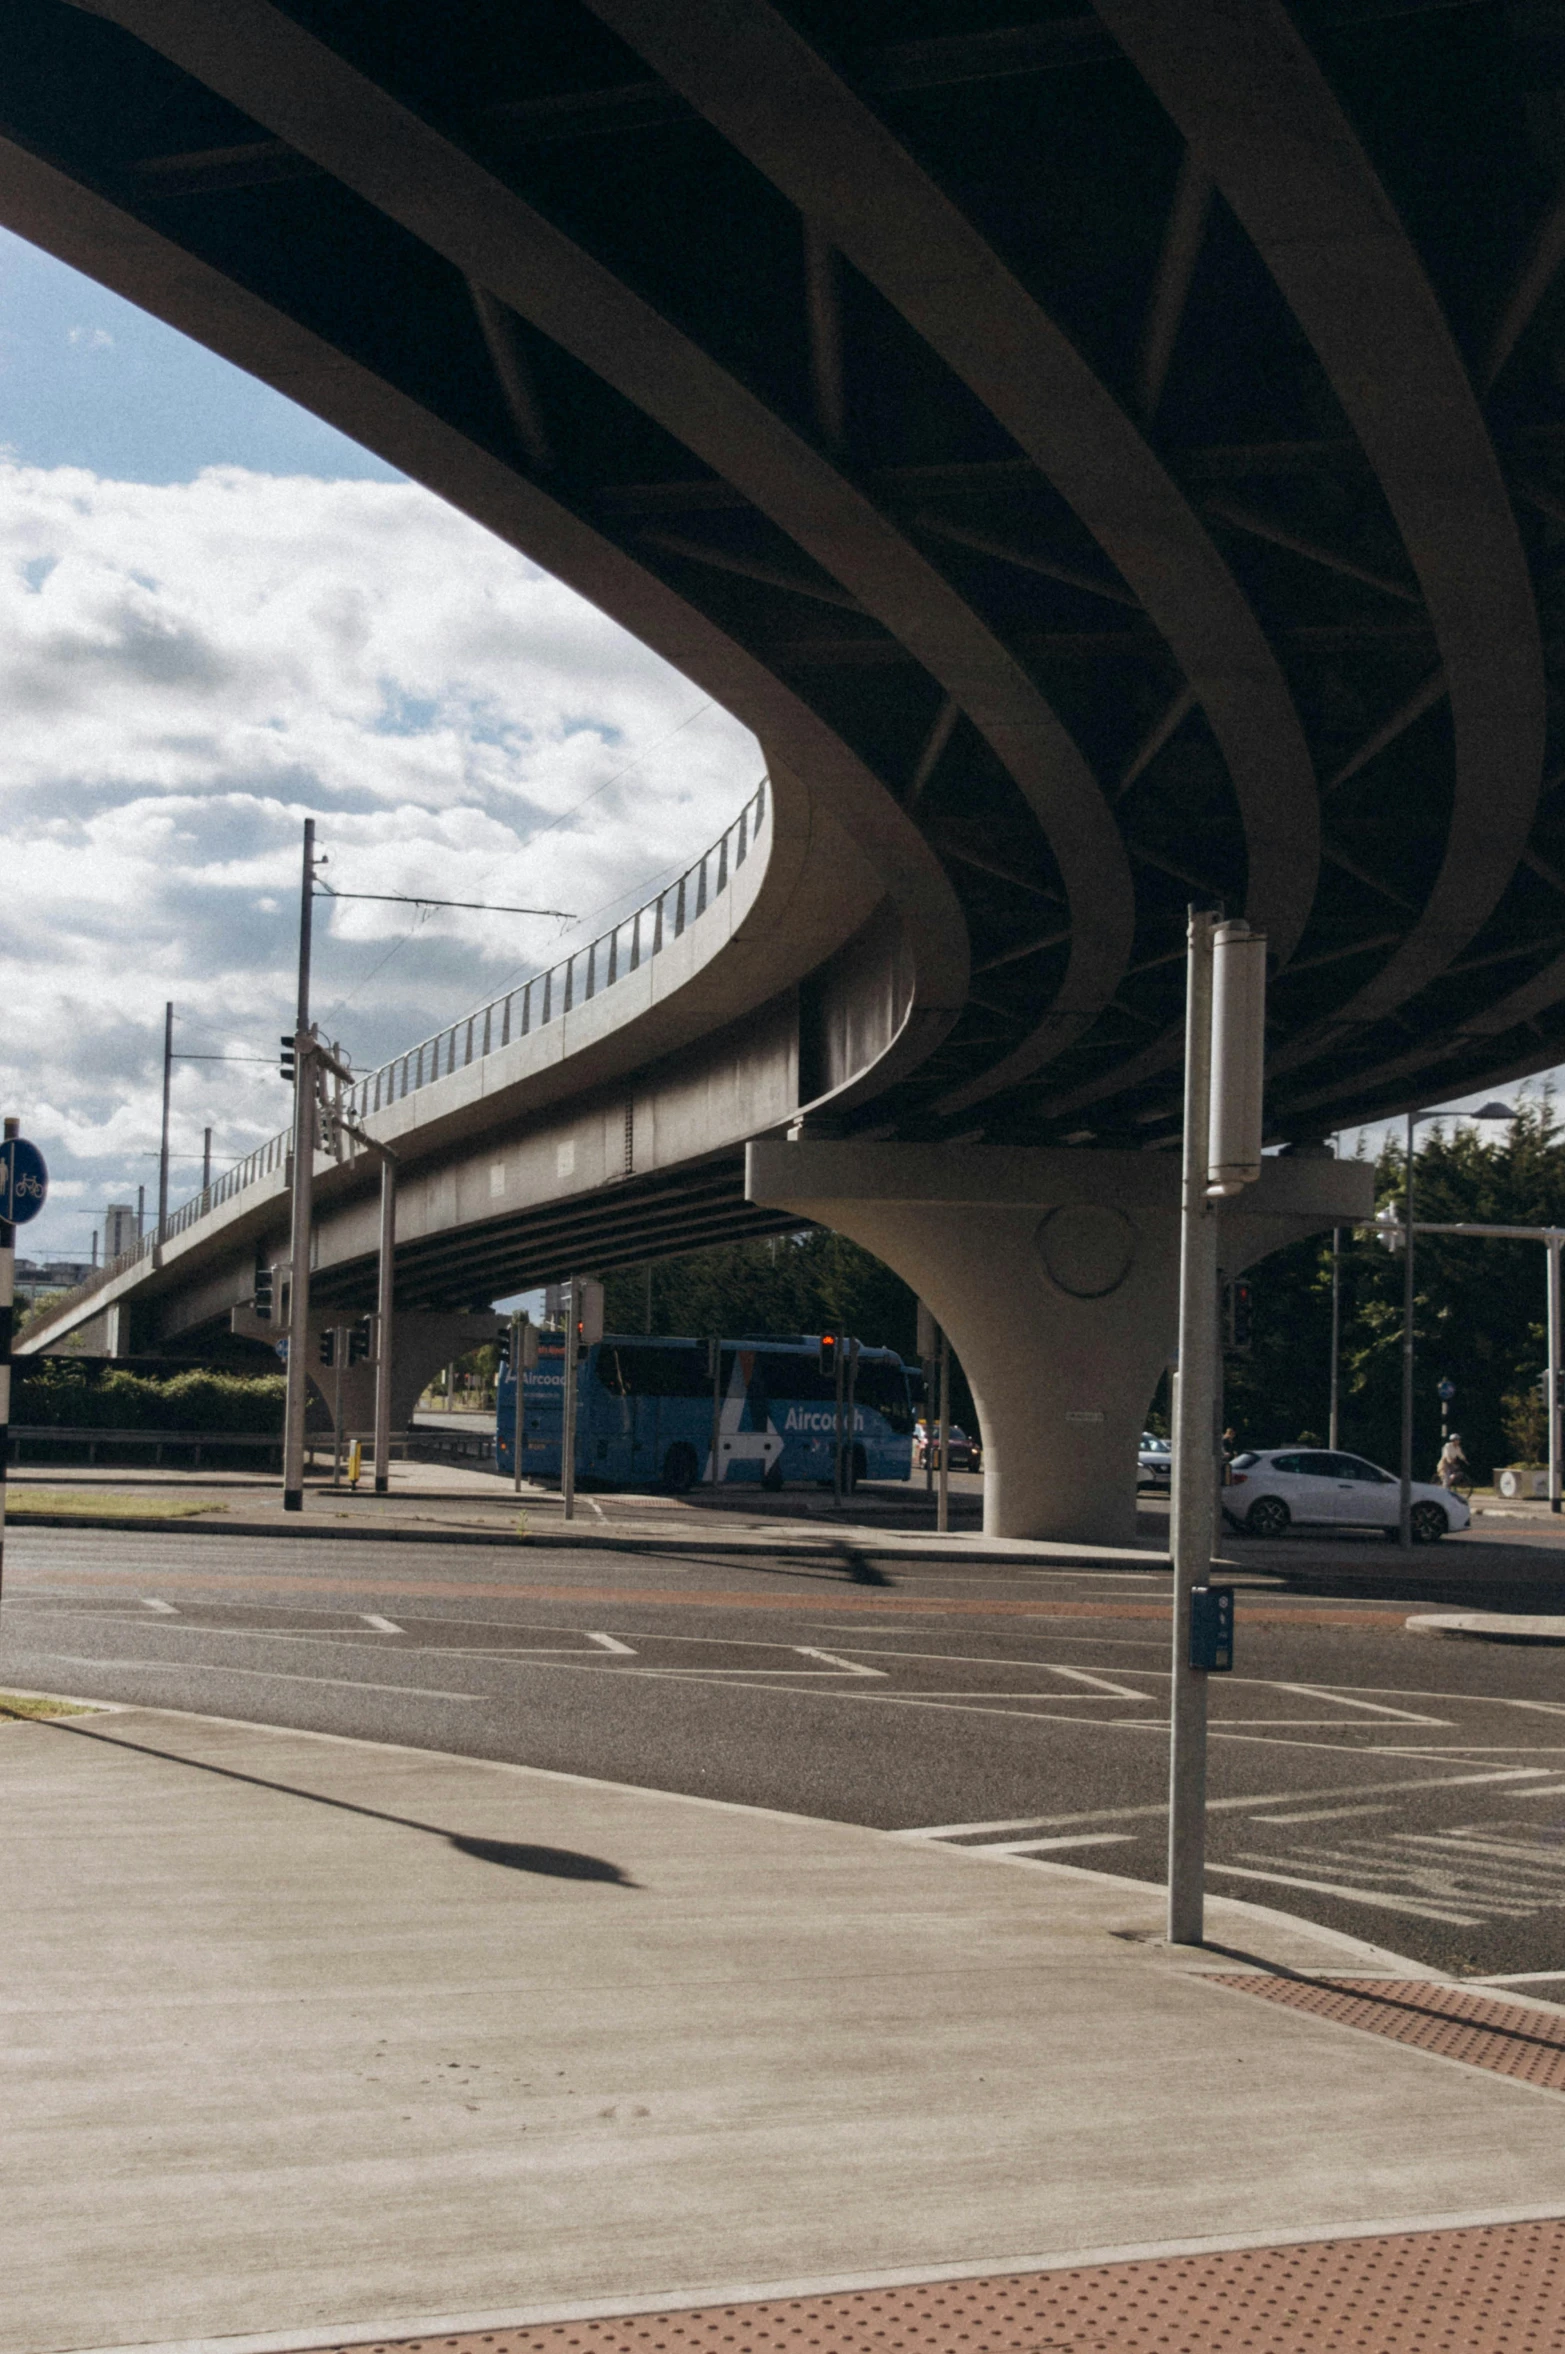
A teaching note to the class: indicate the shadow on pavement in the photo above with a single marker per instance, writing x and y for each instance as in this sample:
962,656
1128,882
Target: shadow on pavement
555,1863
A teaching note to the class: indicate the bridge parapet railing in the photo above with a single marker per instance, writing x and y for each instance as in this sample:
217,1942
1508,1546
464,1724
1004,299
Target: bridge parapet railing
586,973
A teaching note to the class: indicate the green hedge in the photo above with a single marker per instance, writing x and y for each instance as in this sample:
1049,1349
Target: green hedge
58,1392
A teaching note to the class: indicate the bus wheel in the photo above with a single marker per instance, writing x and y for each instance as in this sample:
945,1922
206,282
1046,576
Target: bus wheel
772,1477
680,1468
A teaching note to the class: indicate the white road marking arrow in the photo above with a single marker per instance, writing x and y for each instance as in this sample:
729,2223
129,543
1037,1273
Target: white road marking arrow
382,1626
612,1643
166,1608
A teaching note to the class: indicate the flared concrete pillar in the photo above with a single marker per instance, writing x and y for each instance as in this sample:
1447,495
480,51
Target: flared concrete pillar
1056,1274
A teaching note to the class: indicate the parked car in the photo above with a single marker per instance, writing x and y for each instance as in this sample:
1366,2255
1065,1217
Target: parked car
966,1454
1268,1492
1154,1462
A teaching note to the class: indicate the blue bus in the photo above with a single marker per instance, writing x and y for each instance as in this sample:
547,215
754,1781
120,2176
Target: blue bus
644,1413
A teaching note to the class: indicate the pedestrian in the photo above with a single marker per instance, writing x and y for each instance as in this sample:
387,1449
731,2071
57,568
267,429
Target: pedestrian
1230,1443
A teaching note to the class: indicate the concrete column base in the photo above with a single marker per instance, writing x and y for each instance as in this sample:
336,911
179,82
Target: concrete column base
1056,1274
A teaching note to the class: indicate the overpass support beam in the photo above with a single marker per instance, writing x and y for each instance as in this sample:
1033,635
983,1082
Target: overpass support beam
1056,1274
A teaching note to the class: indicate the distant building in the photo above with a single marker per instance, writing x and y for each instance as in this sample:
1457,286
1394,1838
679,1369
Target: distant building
39,1275
119,1230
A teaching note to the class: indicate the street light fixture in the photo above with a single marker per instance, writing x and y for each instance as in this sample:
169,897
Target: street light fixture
1487,1111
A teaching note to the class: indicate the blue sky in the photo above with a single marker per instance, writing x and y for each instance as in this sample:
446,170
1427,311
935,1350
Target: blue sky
218,616
88,380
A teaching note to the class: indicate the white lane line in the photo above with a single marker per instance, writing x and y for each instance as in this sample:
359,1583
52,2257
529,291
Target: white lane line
850,1667
1546,1790
1042,1846
1119,1814
266,1674
1324,1814
165,1609
1405,1716
382,1626
1388,1904
612,1643
1519,1978
1085,1675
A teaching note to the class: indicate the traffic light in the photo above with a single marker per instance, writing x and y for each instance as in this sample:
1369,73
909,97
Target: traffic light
1542,1386
1238,1318
288,1061
827,1353
359,1343
1388,1228
589,1311
329,1345
265,1295
502,1342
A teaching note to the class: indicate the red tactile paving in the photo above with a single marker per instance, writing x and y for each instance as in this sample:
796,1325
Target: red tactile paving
1508,2038
1495,2289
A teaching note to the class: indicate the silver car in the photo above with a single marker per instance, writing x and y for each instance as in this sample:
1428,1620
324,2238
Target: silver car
1268,1493
1154,1463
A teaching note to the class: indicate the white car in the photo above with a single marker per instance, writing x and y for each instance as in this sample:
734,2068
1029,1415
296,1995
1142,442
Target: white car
1268,1493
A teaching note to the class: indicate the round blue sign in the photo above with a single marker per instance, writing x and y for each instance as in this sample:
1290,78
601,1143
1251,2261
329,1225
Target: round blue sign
24,1181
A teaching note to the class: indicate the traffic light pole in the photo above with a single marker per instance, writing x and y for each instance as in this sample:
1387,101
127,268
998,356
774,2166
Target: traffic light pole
1194,1502
1405,1496
303,1205
168,1074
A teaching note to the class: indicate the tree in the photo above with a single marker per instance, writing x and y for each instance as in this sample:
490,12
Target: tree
1479,1313
811,1281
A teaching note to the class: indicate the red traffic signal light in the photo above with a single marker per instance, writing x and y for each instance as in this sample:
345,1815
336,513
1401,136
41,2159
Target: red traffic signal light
828,1352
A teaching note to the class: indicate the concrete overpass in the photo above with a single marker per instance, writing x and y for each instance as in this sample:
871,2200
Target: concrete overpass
1107,457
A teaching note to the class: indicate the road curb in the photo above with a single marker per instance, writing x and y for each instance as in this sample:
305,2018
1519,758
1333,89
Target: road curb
871,1551
1488,1626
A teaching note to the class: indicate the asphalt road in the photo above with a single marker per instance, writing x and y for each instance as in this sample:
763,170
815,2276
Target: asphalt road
1409,1790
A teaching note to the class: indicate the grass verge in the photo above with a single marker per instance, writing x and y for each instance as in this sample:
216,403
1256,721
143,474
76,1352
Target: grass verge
24,1704
27,1503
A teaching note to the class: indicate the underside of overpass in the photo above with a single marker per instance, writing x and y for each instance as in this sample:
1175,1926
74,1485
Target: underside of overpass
1111,458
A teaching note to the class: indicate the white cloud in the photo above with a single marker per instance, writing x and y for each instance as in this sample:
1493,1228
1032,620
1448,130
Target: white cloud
188,671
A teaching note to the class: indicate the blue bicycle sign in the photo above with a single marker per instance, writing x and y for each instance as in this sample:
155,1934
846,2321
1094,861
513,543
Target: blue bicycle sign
24,1181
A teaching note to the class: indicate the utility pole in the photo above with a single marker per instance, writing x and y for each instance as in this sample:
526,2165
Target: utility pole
303,1202
206,1160
168,1073
1225,1038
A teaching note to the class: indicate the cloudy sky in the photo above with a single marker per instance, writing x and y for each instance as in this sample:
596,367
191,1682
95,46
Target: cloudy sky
220,617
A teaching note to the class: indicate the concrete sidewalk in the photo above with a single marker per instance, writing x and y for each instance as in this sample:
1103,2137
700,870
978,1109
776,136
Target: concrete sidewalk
316,2040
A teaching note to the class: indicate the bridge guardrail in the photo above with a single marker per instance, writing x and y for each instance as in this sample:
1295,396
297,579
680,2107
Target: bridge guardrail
547,997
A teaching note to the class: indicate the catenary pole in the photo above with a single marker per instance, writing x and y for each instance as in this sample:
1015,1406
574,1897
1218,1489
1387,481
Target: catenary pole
1194,1471
303,1202
206,1160
168,1074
